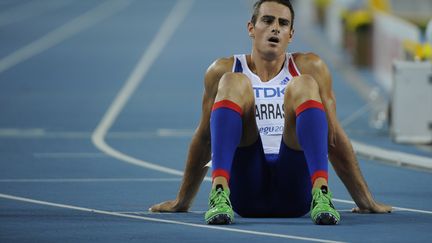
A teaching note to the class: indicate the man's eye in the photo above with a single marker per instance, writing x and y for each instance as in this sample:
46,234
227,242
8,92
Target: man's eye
284,23
268,20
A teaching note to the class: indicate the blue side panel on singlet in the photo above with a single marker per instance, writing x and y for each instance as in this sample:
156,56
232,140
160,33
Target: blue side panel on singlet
238,66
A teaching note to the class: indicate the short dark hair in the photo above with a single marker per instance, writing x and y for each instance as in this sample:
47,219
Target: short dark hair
257,5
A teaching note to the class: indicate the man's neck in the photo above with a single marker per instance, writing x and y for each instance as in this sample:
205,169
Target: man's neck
264,68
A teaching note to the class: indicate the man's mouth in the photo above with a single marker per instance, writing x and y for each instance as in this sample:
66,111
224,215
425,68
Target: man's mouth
273,39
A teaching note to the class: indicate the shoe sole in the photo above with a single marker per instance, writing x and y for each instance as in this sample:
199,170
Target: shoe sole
220,219
326,219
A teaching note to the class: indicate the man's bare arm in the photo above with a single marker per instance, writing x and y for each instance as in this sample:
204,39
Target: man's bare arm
347,168
195,171
341,153
200,148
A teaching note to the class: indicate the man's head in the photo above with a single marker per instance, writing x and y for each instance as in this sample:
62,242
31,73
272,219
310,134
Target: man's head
258,4
271,27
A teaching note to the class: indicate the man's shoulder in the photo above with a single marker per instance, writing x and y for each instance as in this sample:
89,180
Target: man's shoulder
308,62
216,70
221,65
306,58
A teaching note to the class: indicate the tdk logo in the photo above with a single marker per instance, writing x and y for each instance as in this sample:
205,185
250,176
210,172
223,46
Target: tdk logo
268,92
285,81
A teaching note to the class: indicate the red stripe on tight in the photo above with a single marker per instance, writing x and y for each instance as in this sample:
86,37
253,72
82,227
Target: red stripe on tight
292,69
228,104
307,105
221,172
318,174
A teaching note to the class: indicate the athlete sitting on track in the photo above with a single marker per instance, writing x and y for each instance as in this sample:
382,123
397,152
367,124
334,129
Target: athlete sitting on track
269,123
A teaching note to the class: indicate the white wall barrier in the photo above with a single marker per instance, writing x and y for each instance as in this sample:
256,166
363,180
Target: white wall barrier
334,27
411,110
388,37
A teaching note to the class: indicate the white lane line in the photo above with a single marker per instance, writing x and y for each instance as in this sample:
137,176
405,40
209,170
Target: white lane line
396,157
42,133
75,155
151,213
166,132
78,24
376,153
412,210
61,180
394,208
91,180
29,10
174,19
15,132
229,229
356,114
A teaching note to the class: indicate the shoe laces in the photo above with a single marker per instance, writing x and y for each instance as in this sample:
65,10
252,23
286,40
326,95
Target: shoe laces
323,196
219,197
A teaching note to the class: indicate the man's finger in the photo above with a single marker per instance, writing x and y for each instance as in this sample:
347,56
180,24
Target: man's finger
152,209
155,208
358,210
382,210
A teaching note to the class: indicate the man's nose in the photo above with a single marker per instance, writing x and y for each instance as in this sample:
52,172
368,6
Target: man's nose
275,28
275,31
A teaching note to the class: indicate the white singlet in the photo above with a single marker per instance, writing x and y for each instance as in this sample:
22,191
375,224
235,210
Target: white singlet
269,112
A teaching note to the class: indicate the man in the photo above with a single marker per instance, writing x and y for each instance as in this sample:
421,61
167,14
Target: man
269,123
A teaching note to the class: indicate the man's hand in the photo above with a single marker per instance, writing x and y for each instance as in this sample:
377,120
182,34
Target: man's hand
168,206
375,208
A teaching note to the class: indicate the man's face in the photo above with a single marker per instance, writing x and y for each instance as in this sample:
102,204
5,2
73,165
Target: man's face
272,31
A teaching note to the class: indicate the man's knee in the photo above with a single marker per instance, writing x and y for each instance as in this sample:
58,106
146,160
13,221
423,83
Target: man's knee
234,86
234,82
302,87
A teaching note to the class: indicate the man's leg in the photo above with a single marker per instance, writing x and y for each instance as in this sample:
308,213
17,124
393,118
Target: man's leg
306,128
231,124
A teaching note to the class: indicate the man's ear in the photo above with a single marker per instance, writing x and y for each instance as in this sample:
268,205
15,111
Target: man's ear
291,35
251,29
